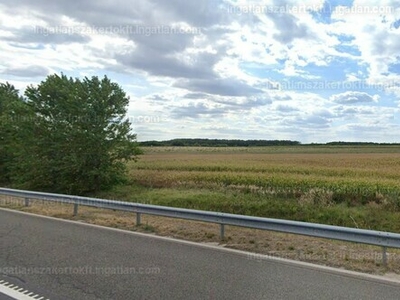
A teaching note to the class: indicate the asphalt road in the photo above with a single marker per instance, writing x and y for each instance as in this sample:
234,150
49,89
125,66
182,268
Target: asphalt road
65,260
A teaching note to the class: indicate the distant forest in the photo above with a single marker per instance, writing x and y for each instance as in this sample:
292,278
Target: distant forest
246,143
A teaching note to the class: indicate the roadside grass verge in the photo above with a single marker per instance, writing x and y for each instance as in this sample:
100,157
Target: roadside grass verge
311,208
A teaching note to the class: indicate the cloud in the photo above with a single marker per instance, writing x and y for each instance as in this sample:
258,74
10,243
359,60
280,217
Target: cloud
282,97
289,28
196,96
161,64
219,86
365,127
28,71
371,27
196,110
306,122
285,108
351,111
45,35
353,97
244,102
369,132
157,97
193,12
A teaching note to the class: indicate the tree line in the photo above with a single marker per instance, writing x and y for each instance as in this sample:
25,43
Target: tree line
65,135
220,143
198,142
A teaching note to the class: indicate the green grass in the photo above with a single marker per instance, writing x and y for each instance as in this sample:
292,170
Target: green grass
361,216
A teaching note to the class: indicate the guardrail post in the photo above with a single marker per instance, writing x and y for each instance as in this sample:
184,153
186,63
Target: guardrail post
138,215
222,231
75,209
26,201
384,256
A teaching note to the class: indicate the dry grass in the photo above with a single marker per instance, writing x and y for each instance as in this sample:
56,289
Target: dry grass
339,254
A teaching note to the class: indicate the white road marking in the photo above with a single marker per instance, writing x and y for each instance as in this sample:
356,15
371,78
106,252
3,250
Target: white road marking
16,292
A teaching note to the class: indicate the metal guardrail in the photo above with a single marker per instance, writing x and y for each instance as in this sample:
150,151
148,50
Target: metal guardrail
371,237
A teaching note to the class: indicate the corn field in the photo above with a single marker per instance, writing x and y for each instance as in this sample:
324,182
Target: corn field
363,177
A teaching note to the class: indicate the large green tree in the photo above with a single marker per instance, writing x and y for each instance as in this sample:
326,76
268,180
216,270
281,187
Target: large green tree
81,137
13,113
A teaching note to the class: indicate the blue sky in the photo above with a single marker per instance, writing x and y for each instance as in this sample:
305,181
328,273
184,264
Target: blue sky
318,71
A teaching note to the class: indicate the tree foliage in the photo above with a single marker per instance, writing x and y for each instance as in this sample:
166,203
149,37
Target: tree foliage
75,137
13,113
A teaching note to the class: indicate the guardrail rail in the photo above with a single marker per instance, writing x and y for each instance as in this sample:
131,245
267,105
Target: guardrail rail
370,237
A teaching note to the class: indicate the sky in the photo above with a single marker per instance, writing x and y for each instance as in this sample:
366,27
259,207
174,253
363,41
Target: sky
314,72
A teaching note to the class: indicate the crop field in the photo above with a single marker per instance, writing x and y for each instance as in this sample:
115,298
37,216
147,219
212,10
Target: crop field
339,185
363,175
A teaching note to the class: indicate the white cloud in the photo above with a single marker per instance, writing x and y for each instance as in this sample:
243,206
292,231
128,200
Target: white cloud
370,26
353,97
